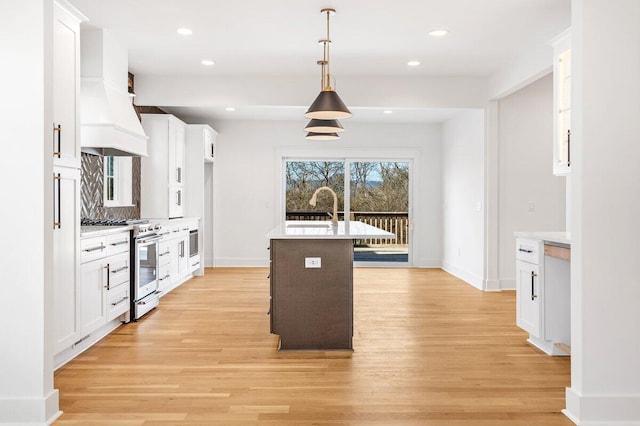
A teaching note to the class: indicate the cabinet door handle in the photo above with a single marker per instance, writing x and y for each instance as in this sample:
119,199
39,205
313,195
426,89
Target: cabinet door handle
57,130
163,254
533,293
212,150
179,173
119,301
115,271
525,250
57,202
179,202
568,147
107,268
119,243
89,250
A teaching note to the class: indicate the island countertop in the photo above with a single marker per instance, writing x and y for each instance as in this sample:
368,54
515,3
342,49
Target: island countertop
553,237
314,229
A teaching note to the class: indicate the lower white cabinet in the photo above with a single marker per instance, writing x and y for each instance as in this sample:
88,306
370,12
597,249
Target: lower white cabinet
66,258
104,280
543,294
174,263
528,306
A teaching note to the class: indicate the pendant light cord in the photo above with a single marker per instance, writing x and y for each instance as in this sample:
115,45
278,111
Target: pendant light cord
327,83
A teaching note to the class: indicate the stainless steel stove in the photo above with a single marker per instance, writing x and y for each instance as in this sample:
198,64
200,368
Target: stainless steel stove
145,235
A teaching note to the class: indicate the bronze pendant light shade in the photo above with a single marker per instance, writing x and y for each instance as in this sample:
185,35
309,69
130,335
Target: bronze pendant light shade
322,136
324,126
328,106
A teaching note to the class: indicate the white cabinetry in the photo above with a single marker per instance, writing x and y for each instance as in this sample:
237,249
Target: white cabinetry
66,257
200,154
174,256
66,175
66,85
163,171
542,294
562,104
105,280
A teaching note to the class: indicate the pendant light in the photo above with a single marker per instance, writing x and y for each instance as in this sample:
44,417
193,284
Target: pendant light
322,136
328,105
317,125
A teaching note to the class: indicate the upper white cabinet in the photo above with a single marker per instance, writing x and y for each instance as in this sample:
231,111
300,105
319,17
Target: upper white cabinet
163,171
66,85
562,104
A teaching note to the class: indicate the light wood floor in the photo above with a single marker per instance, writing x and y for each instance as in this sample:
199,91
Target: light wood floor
429,350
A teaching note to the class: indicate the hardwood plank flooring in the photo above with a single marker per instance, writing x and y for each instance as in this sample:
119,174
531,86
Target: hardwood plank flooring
428,350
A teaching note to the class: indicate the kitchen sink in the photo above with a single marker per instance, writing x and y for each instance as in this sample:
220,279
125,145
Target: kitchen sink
309,225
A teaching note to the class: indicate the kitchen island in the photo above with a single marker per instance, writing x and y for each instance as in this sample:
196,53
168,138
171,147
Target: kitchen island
312,282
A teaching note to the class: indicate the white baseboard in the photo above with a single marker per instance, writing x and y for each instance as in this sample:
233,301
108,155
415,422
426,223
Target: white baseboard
428,263
602,410
71,352
38,411
492,285
509,284
465,276
241,262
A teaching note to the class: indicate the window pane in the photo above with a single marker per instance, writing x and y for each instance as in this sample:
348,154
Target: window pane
303,178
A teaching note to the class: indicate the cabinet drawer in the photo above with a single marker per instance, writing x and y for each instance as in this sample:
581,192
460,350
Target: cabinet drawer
194,263
92,249
529,250
118,243
119,270
163,253
117,301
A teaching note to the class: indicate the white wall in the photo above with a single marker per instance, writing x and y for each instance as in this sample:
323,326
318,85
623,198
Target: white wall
463,196
605,285
26,357
247,169
525,176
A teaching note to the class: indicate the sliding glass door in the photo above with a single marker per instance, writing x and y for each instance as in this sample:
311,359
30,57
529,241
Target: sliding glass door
373,192
379,196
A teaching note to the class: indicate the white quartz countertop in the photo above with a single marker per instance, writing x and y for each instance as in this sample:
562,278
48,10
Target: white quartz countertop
314,229
98,231
552,237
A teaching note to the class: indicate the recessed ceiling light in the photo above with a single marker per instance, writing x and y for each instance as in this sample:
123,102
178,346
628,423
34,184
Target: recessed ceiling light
387,111
413,63
438,33
229,109
208,62
184,31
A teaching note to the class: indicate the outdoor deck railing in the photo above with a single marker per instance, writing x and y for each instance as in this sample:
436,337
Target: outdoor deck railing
396,222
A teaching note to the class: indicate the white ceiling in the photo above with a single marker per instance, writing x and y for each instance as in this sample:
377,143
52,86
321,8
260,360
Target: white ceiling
369,38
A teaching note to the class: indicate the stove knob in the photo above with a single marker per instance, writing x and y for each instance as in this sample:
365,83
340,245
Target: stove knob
157,227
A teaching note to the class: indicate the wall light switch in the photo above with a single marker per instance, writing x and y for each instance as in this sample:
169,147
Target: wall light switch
312,262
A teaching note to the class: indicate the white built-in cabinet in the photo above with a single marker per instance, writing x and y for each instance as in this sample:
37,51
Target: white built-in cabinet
66,258
105,280
543,294
562,104
173,254
200,155
163,171
65,138
65,148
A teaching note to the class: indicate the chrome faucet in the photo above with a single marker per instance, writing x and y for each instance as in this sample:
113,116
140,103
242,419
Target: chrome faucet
312,201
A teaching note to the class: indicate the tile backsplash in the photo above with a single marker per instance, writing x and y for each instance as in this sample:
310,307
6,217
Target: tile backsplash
92,186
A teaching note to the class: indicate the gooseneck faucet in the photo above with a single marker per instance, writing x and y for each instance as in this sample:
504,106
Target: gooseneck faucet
312,201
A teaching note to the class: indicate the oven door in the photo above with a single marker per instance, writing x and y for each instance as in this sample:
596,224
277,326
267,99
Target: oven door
146,272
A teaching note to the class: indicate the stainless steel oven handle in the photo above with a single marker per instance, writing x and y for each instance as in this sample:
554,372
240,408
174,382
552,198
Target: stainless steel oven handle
149,240
148,299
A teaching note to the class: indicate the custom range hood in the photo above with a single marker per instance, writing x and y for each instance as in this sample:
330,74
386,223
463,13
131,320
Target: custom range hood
109,124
